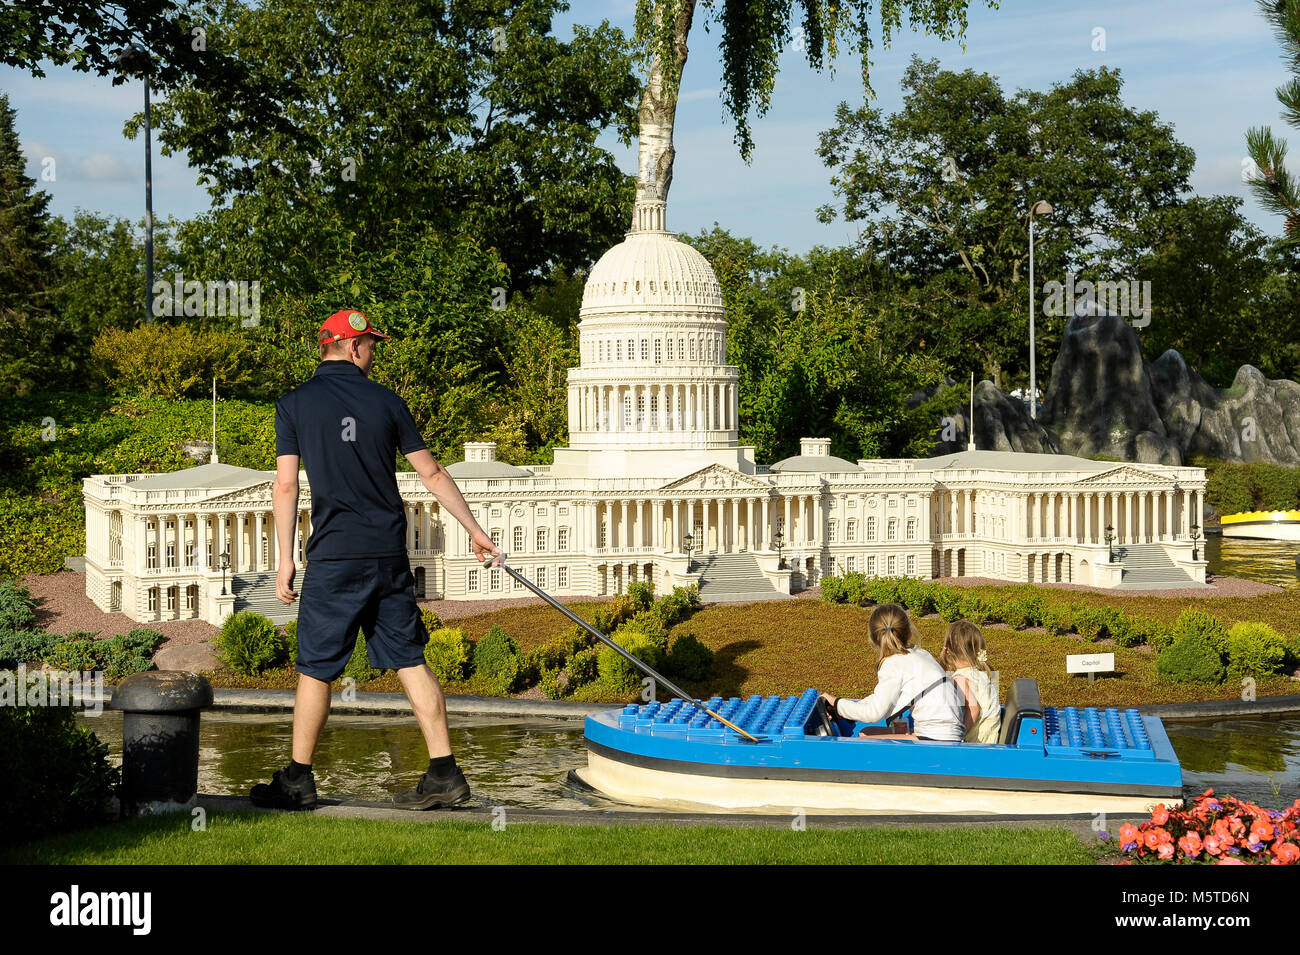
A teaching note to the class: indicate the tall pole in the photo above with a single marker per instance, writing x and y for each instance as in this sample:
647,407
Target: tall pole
1033,381
148,206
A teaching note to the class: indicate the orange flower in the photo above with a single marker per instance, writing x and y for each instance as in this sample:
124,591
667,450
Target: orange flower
1261,830
1128,833
1152,838
1160,815
1229,861
1166,850
1213,845
1287,853
1190,844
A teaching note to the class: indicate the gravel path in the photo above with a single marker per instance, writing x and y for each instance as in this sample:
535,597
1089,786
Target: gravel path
1219,587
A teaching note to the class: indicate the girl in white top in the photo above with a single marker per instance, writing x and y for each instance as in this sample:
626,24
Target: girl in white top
907,676
965,652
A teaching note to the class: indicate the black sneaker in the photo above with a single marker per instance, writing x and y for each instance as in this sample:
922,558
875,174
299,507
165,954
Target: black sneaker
285,793
434,791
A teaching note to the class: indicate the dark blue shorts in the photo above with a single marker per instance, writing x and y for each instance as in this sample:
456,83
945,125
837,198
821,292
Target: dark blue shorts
373,594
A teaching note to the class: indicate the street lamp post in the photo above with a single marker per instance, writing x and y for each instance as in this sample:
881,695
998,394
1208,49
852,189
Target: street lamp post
1110,538
1196,533
779,539
688,542
1040,208
225,565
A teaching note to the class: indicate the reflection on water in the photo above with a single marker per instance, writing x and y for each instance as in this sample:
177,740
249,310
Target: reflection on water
1270,562
1244,757
523,763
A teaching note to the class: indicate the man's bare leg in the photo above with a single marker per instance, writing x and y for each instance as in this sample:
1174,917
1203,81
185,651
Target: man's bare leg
311,707
425,693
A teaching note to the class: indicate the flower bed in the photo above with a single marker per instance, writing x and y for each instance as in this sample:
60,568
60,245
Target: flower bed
1215,831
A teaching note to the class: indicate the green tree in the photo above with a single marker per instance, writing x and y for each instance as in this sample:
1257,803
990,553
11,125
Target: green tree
753,37
1275,187
24,263
1207,267
469,116
946,185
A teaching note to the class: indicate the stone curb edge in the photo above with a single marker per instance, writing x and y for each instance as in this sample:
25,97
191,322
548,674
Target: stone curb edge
396,704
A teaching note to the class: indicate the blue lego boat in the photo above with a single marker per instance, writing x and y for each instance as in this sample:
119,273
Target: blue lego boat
1049,761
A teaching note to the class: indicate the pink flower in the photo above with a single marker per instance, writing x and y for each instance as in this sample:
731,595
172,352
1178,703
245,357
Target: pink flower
1213,845
1230,862
1166,850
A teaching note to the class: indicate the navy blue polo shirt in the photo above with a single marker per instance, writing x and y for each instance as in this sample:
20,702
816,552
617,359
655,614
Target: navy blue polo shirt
347,430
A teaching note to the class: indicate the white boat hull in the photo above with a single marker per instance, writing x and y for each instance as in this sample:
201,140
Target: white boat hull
643,786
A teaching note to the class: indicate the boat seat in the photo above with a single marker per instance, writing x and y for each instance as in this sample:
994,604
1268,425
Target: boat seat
1023,703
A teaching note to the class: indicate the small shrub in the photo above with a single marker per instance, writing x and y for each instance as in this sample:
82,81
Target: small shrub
883,590
1138,631
358,667
583,668
689,658
1090,623
140,640
78,651
642,595
1255,649
431,620
552,685
448,653
833,589
620,675
651,626
948,603
856,590
498,661
1191,658
289,640
17,609
1014,612
917,595
58,773
24,646
679,605
1058,618
249,643
1117,624
978,609
1192,621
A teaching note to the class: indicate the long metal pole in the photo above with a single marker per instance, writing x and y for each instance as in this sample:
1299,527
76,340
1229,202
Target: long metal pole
148,206
500,560
1033,381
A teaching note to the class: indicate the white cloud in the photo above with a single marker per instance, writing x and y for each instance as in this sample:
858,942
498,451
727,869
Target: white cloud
105,167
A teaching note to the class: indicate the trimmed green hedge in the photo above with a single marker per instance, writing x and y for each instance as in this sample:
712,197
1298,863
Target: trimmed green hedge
1247,649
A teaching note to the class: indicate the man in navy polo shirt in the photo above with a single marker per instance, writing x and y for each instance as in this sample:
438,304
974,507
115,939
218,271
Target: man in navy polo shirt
347,431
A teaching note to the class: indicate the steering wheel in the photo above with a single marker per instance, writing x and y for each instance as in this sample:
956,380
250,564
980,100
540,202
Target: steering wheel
822,724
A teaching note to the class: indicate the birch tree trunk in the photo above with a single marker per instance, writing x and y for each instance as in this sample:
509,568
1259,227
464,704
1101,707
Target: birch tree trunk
657,113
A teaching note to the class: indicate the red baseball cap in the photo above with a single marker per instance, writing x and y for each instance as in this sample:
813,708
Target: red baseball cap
348,323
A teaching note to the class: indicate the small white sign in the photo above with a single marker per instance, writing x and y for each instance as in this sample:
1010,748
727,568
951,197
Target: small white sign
1090,663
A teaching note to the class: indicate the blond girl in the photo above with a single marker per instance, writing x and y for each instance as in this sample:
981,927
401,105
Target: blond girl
966,655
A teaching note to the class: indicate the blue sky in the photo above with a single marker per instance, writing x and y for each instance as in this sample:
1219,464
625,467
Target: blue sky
1208,67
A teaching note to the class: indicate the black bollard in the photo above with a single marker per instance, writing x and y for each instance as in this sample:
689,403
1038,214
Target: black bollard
160,738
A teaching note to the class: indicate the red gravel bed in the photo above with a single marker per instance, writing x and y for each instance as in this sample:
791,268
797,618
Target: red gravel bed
1219,587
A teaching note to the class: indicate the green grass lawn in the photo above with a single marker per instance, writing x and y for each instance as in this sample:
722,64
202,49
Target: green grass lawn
304,839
